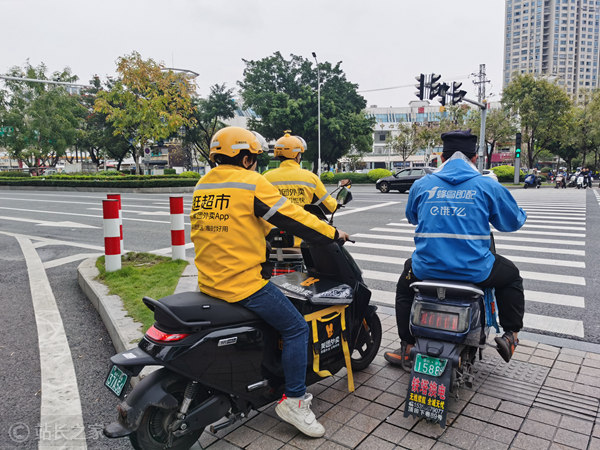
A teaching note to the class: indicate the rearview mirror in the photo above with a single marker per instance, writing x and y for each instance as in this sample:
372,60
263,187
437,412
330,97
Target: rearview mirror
346,182
344,196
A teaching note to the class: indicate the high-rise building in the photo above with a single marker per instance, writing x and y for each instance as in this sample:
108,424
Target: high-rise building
553,38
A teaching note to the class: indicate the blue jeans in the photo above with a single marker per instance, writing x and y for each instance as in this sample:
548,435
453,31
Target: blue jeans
276,309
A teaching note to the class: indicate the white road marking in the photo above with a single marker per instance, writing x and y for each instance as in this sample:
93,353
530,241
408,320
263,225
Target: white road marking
69,259
554,299
554,324
48,223
377,258
43,241
167,250
60,402
351,211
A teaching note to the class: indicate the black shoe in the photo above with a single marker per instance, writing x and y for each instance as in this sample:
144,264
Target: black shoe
506,345
400,357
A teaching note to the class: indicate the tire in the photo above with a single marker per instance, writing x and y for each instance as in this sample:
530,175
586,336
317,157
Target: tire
152,433
367,343
525,186
384,187
402,191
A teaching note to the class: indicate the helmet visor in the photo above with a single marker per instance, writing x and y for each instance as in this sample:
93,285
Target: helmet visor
264,147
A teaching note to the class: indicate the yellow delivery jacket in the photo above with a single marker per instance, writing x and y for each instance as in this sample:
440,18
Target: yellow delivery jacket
229,210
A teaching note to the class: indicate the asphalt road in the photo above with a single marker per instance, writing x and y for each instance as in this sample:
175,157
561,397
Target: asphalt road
44,235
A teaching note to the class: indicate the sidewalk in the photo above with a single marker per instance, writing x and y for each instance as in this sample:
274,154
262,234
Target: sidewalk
546,398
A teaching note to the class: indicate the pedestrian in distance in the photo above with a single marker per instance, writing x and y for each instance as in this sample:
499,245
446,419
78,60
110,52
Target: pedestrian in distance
452,209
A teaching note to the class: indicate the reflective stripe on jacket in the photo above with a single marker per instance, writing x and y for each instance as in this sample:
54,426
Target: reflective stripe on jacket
229,210
452,209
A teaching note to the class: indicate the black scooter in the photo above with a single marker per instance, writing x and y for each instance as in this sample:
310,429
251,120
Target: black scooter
219,360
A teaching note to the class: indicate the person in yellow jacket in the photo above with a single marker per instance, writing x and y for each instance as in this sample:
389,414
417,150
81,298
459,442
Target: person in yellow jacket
231,207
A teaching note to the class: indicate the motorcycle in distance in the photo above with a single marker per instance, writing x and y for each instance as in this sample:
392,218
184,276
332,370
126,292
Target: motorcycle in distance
560,182
448,321
532,180
218,360
581,182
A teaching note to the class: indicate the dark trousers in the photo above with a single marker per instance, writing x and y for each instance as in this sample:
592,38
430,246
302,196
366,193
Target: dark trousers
504,277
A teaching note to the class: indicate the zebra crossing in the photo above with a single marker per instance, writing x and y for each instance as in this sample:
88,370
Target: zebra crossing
549,251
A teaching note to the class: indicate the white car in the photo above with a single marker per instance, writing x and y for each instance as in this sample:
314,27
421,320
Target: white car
489,173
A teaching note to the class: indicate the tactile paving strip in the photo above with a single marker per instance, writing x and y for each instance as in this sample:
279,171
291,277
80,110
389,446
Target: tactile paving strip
510,389
567,403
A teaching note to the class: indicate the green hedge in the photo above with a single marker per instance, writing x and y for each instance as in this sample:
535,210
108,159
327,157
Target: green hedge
376,174
14,174
120,183
507,173
330,177
190,174
170,171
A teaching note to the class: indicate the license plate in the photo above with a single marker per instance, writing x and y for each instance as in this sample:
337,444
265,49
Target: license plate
428,365
116,380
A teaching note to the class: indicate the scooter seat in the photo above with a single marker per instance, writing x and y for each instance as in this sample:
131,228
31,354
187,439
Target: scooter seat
194,307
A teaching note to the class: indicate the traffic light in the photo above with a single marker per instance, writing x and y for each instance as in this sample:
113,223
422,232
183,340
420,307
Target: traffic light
442,92
421,86
457,94
518,145
434,86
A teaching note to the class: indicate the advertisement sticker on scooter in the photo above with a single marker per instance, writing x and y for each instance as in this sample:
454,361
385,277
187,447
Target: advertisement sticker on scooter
426,396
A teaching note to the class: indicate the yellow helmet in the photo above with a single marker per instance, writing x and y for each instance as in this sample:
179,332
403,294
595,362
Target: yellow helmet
289,146
229,141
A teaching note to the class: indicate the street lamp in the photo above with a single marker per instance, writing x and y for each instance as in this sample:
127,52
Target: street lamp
318,114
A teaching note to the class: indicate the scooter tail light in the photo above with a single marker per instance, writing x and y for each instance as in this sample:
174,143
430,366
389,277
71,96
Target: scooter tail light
156,335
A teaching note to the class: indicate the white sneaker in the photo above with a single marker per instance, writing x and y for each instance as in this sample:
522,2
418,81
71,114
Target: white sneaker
297,412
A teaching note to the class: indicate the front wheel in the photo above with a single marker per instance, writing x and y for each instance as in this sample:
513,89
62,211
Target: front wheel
384,187
367,342
525,186
153,433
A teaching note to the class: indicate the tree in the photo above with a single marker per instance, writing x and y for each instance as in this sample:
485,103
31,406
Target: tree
542,111
146,104
499,127
43,118
208,115
283,94
404,142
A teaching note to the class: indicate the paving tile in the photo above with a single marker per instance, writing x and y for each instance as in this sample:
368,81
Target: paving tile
544,416
375,443
571,439
330,445
364,423
592,355
562,374
284,432
398,388
379,382
571,351
355,403
478,412
584,389
566,366
442,446
576,425
513,408
506,420
459,438
588,362
527,442
332,395
399,420
304,442
350,437
456,405
389,432
590,371
469,424
527,343
430,430
541,361
563,385
417,442
486,400
538,429
524,357
522,349
265,443
596,432
497,433
594,444
484,443
378,411
390,400
588,380
262,423
340,414
367,392
243,436
331,426
545,354
320,406
549,348
556,446
223,445
573,359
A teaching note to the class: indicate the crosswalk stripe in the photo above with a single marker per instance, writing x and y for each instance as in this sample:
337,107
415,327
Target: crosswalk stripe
554,299
405,228
385,297
546,261
558,222
557,251
554,278
373,245
381,276
497,237
377,258
554,227
554,324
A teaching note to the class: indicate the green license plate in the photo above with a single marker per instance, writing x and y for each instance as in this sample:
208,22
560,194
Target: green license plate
116,380
428,365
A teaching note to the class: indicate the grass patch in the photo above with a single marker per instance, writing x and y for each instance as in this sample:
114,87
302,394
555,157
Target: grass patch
142,275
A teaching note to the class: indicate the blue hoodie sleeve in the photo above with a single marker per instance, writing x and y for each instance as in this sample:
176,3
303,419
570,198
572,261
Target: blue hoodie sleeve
505,214
411,211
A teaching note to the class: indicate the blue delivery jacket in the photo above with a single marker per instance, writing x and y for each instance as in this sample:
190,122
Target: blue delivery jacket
452,209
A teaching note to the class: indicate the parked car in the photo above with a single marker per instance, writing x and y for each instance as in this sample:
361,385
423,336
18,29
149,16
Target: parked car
489,173
402,180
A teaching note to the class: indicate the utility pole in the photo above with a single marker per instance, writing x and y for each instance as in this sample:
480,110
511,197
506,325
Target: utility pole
480,83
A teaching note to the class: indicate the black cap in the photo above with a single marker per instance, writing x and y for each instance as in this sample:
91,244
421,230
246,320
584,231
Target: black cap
459,141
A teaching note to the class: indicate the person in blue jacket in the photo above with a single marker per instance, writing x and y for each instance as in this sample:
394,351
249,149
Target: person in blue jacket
452,209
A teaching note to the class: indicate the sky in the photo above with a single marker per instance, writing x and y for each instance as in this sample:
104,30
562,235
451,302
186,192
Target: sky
382,45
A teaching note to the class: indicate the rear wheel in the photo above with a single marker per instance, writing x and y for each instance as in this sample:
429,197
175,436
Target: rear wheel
367,342
384,187
153,433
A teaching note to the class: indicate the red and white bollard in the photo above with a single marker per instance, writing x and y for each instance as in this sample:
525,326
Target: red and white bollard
112,236
177,228
118,197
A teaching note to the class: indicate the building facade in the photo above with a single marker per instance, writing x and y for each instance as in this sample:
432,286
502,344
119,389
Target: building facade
553,38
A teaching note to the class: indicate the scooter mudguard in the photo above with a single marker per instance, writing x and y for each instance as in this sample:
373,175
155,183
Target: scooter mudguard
148,392
133,360
428,392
